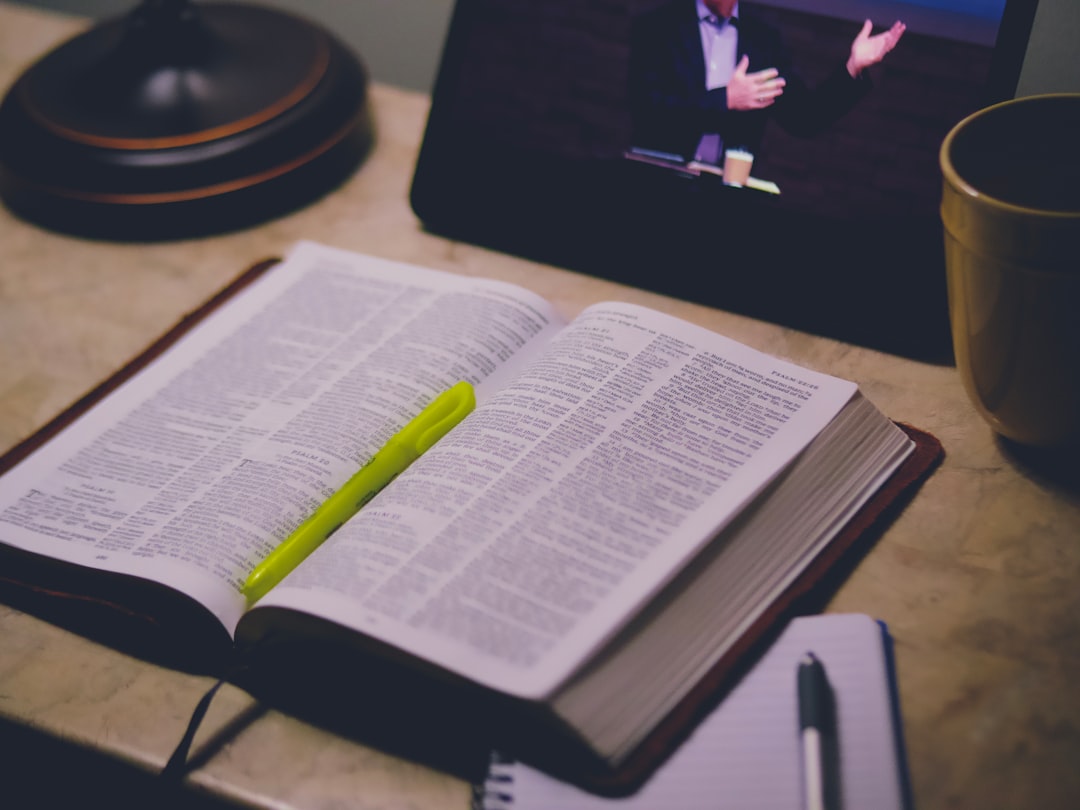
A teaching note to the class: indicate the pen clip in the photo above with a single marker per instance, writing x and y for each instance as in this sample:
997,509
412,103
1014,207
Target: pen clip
436,420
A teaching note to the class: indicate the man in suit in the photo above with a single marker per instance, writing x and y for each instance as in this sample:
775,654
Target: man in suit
705,76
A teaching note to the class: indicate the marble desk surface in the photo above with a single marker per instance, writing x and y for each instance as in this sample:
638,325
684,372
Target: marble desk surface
978,579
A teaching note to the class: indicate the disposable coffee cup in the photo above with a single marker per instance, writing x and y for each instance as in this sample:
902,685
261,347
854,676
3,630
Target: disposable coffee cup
1011,215
737,164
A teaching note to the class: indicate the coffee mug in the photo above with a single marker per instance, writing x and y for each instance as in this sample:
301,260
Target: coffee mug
1011,215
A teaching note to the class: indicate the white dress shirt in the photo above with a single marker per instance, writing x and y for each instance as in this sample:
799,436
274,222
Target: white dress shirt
720,46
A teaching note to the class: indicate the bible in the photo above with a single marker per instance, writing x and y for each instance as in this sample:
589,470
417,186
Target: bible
631,506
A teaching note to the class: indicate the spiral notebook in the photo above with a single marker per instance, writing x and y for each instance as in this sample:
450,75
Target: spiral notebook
746,754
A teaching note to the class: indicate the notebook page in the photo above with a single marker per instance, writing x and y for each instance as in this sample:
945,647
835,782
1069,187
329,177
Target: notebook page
746,754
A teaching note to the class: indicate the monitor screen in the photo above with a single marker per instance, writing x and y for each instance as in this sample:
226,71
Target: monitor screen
593,134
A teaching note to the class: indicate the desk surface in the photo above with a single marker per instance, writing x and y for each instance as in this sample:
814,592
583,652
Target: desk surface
978,579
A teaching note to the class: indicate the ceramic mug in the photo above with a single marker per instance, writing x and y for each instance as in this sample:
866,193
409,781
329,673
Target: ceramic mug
1011,214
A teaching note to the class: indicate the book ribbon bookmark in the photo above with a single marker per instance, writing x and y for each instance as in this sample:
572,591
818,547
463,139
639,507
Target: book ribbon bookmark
403,448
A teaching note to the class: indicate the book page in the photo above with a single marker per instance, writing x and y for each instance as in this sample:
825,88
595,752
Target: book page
190,473
746,754
525,538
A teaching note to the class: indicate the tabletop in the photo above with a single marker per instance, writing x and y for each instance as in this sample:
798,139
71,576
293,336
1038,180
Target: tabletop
977,578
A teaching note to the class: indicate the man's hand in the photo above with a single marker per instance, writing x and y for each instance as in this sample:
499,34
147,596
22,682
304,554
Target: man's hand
868,50
753,91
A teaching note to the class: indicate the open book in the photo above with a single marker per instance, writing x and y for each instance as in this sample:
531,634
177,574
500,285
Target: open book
626,507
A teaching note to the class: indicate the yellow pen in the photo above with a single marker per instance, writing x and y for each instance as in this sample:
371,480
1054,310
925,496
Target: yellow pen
403,448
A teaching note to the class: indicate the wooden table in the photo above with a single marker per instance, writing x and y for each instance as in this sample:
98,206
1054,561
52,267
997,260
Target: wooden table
978,579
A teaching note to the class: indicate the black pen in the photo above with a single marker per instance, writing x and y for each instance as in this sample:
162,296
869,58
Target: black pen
814,711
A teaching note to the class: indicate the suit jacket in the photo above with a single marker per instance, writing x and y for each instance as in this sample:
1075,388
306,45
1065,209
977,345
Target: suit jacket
671,109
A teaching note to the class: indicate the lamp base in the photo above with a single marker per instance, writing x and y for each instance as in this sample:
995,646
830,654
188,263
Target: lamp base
180,120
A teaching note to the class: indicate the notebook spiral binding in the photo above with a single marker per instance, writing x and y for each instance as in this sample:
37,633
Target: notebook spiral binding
496,791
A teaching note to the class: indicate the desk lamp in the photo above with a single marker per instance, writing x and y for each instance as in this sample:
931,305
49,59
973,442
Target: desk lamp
181,119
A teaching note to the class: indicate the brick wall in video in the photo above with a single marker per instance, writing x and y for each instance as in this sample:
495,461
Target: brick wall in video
552,76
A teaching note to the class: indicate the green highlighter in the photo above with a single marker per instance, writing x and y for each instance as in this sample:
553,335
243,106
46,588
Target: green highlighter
403,448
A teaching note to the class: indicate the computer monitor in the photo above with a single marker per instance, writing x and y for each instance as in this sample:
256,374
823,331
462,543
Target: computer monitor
539,143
